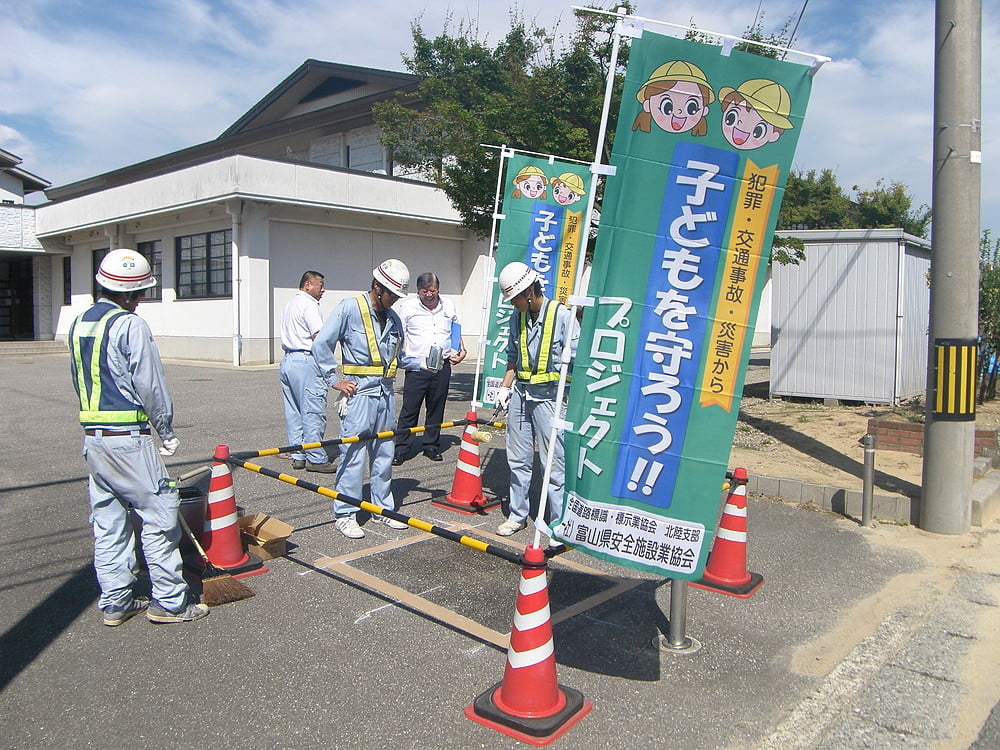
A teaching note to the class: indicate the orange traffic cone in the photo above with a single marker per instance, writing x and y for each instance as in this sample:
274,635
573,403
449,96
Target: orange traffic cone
529,704
221,534
726,571
466,494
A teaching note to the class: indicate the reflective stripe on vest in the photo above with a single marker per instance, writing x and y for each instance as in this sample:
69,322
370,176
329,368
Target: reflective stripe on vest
87,339
540,374
376,367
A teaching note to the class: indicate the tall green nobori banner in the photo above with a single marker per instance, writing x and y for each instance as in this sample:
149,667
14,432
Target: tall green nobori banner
702,151
543,206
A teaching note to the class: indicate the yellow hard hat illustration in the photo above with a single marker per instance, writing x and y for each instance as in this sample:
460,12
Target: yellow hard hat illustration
770,99
573,181
529,171
677,70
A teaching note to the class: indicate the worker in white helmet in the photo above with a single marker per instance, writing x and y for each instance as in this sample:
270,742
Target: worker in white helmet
370,335
122,390
539,331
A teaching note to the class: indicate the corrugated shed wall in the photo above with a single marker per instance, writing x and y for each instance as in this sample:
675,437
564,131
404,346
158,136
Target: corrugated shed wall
834,322
915,324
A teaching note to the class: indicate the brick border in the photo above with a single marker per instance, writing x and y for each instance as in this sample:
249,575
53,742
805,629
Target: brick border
908,437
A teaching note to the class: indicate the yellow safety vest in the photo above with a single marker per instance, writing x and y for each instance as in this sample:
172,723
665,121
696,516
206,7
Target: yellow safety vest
89,349
540,373
376,367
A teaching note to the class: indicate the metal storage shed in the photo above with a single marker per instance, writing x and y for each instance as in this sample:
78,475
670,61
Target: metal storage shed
850,322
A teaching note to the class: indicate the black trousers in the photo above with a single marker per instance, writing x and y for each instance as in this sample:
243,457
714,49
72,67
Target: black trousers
419,387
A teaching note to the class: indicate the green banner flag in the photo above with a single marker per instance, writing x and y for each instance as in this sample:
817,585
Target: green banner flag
702,150
543,224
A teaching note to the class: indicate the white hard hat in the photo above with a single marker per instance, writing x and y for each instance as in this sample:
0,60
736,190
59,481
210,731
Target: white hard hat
125,271
393,275
515,278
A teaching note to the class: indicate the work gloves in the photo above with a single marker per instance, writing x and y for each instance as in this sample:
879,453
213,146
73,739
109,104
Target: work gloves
502,400
169,446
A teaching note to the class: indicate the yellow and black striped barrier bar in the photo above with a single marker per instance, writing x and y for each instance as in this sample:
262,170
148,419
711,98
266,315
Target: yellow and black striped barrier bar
384,435
954,395
416,523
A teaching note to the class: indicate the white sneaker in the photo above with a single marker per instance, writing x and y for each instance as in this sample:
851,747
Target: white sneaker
509,527
392,523
348,526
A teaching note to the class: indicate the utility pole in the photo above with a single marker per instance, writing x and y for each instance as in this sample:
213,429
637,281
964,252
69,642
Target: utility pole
949,431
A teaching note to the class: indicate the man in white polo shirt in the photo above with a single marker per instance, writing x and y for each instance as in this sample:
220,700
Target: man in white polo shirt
302,388
428,322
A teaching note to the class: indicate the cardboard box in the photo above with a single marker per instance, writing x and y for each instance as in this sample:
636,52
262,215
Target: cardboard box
265,535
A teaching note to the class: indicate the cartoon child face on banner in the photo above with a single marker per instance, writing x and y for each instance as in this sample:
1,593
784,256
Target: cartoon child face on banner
675,98
755,113
677,95
567,188
530,183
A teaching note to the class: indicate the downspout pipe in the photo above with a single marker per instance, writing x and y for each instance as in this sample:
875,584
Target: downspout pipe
235,210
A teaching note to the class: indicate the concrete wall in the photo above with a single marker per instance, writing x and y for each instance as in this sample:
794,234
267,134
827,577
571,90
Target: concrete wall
11,188
361,220
17,229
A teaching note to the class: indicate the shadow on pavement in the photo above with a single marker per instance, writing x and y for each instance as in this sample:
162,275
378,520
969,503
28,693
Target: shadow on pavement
34,632
617,637
812,447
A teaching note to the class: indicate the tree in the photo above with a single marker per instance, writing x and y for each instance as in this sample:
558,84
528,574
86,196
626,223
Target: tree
817,201
989,314
814,201
888,205
531,91
536,91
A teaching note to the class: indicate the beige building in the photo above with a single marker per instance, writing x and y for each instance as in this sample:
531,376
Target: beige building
25,272
300,182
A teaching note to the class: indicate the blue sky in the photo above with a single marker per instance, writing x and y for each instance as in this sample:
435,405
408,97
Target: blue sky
87,87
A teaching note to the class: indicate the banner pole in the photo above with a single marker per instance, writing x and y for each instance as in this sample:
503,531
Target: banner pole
559,420
484,323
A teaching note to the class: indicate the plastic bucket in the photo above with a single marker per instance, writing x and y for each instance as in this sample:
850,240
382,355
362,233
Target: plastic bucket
193,508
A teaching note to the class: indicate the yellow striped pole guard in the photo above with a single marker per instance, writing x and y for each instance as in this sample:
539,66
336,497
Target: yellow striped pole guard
954,383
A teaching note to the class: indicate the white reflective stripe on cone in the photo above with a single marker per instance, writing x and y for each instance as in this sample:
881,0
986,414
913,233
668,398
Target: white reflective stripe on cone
214,524
732,536
467,468
531,620
224,493
532,657
531,585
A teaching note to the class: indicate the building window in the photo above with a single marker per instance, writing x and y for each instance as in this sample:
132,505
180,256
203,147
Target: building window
205,265
67,281
151,252
98,256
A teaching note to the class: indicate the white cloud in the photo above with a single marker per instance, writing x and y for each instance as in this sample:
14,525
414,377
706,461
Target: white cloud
89,87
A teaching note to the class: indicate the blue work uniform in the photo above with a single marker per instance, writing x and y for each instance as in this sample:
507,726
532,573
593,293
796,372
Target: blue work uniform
370,352
302,388
119,379
532,406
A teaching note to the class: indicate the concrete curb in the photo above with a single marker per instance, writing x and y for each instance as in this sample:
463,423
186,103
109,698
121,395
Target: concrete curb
891,508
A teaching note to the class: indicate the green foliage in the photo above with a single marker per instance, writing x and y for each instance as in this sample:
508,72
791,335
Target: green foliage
989,305
536,90
816,201
755,33
531,91
887,206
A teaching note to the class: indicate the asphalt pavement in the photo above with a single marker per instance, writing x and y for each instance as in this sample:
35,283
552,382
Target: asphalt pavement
857,639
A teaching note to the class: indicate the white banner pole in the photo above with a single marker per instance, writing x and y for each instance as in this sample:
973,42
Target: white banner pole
488,278
596,170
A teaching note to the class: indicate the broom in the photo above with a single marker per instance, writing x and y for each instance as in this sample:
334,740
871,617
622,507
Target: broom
218,587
